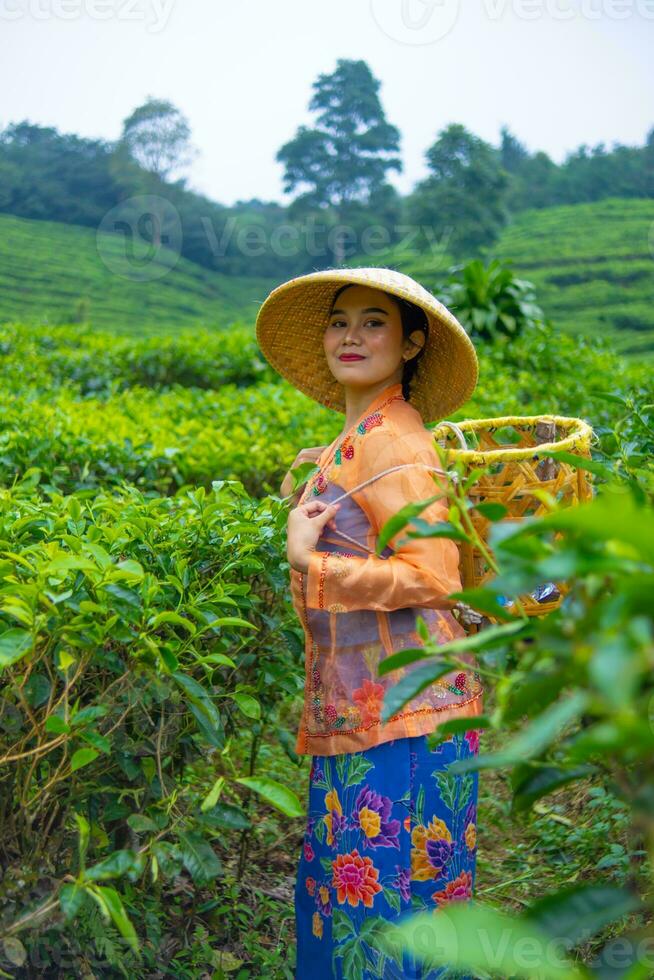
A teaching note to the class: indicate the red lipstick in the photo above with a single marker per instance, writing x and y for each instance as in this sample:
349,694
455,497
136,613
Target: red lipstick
350,357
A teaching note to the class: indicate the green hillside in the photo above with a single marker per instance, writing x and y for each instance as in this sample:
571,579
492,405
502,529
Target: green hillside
48,269
592,265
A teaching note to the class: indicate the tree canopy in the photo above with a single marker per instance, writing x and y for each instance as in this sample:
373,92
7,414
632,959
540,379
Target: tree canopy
464,194
346,156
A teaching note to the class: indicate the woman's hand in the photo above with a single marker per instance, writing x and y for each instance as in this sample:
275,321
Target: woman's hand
305,525
311,455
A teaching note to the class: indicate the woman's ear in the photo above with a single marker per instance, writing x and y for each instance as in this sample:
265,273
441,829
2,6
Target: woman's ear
418,338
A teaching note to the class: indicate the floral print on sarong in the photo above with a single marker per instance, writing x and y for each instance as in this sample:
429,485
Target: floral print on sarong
389,831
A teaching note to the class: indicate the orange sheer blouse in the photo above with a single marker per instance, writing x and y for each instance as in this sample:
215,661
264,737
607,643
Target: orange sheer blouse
357,608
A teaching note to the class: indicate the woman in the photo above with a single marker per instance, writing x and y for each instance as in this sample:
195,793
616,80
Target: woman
389,830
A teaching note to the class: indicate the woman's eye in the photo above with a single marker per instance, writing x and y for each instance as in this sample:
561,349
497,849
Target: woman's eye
368,323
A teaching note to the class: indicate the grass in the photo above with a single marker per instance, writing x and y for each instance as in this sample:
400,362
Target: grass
55,273
593,267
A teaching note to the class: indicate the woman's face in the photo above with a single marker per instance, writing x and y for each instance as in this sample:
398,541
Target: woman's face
363,340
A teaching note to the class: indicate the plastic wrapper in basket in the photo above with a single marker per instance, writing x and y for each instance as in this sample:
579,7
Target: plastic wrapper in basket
515,474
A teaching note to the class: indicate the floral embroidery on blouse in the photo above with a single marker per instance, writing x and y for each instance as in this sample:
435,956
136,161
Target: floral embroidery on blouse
346,448
344,451
339,564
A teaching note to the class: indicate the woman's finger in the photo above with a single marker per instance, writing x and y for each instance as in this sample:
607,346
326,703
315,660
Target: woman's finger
320,508
314,505
313,509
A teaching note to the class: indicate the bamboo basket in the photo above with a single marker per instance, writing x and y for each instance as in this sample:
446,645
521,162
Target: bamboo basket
514,472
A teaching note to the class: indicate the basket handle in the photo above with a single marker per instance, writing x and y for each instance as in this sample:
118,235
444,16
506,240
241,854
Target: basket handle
457,431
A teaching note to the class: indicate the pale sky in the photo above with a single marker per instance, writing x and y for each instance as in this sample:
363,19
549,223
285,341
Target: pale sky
558,73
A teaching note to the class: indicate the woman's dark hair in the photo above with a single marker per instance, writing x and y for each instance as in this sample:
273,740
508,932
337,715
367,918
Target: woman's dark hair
413,318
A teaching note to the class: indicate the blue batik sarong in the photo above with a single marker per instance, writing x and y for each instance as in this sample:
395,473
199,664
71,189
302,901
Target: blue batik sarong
389,831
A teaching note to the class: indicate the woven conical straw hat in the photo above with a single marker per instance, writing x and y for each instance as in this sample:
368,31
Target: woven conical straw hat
292,320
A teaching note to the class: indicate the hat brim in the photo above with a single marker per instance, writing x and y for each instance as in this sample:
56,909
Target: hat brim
292,320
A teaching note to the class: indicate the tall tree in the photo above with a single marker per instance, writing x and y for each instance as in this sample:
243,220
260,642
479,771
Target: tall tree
344,159
513,153
537,185
531,176
156,136
464,195
648,165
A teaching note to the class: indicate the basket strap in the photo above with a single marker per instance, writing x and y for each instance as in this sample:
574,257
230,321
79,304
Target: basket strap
458,432
468,613
436,469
